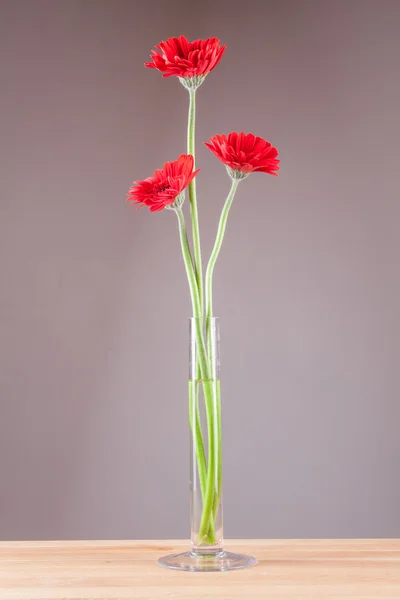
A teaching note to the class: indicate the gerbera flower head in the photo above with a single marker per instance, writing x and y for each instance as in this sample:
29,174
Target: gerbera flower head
190,61
243,153
166,188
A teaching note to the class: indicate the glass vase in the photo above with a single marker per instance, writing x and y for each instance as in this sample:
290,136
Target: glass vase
206,544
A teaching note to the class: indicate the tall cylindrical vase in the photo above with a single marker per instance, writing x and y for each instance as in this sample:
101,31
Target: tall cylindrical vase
206,552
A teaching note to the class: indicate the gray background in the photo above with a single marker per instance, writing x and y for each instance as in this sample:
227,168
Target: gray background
93,434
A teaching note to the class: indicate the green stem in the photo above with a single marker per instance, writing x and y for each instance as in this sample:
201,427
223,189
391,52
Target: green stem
201,351
214,474
217,495
207,515
198,448
187,259
193,200
198,443
217,247
202,368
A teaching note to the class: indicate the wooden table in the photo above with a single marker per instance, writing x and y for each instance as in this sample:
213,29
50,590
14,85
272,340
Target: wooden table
287,569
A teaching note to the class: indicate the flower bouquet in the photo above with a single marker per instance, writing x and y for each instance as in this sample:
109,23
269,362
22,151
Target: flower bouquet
242,154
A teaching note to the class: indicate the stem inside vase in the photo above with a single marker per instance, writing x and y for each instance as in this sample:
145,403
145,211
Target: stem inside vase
206,445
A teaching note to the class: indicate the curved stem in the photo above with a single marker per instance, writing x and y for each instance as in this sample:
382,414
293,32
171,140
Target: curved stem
217,246
194,419
193,200
202,358
206,526
198,450
187,259
214,472
207,514
202,354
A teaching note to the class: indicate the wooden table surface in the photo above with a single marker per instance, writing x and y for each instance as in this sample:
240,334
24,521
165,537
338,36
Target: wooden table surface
287,569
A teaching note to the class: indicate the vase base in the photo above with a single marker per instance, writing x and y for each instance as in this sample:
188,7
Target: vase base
222,561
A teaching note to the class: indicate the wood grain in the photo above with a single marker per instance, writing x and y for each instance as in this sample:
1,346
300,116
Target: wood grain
287,569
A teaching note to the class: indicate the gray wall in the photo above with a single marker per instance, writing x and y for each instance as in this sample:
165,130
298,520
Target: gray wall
94,302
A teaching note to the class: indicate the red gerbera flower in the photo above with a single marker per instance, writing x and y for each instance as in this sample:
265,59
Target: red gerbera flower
161,190
179,57
243,153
